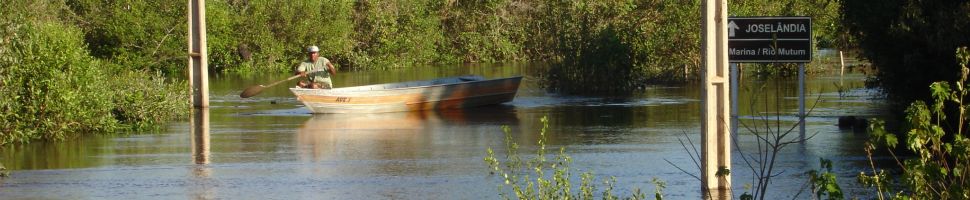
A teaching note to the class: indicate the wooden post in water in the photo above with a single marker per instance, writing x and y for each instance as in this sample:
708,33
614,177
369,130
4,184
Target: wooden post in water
200,135
198,56
715,133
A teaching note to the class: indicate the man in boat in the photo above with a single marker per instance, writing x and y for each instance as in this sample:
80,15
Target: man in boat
319,79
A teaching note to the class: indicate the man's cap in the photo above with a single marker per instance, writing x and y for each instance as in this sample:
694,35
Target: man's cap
312,49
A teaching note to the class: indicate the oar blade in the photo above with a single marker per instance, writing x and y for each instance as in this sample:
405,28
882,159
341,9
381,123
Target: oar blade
252,91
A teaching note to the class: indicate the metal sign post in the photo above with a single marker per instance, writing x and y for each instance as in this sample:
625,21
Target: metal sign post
198,56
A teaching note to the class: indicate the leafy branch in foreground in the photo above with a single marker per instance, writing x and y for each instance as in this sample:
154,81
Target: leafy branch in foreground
941,165
824,182
551,177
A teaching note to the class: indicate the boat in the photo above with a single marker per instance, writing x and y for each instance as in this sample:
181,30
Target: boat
436,94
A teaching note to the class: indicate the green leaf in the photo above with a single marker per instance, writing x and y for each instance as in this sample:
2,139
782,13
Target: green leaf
891,140
941,93
722,171
746,196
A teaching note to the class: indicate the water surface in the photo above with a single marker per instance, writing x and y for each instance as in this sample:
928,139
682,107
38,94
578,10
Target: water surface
270,146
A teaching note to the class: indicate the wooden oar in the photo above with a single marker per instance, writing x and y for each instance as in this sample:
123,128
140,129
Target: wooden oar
256,89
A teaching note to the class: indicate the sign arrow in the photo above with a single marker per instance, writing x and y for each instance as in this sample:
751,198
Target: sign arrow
731,27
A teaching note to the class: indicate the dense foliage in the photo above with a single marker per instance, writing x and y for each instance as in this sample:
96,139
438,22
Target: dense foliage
51,87
594,46
910,42
941,164
68,65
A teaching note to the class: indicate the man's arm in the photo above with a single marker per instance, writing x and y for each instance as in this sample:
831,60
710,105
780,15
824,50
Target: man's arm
300,70
331,69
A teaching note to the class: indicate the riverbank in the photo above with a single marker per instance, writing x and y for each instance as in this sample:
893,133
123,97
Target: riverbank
656,40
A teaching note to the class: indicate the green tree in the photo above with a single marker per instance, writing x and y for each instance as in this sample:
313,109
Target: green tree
910,42
135,34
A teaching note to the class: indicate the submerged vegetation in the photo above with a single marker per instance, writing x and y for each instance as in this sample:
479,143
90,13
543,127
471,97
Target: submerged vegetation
551,177
52,88
3,171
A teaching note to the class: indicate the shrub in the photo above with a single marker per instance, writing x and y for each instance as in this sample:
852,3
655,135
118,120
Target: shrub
484,31
394,34
51,88
941,164
277,32
134,34
596,42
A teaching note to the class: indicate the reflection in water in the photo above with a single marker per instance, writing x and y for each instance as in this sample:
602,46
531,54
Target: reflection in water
200,135
333,135
380,136
203,187
201,173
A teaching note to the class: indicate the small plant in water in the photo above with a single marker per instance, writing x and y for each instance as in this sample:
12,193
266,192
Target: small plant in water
824,182
551,177
3,171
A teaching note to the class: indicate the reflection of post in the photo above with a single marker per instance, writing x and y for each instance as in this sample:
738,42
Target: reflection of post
203,188
801,101
735,78
715,133
200,154
200,135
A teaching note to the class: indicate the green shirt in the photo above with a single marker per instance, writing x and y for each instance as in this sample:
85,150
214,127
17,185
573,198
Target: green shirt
322,76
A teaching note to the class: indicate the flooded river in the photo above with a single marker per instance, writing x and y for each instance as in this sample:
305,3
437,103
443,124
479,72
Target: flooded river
270,146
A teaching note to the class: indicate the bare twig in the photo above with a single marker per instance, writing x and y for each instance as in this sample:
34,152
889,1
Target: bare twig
682,170
160,42
769,141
